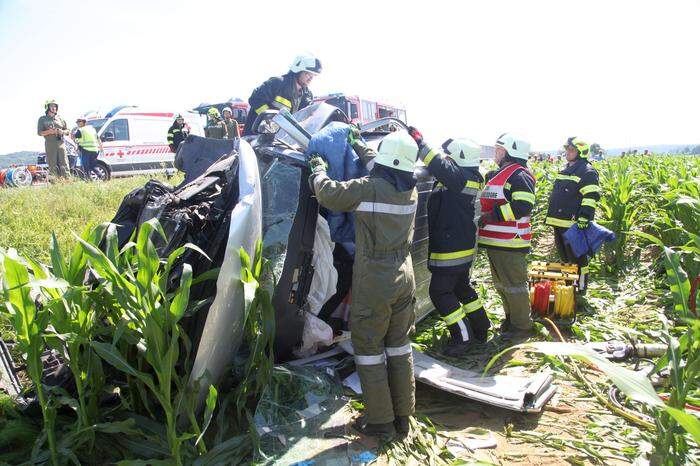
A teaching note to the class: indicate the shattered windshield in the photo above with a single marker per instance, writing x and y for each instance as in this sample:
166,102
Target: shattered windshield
312,119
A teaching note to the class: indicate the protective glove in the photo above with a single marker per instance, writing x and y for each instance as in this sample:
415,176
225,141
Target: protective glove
354,135
487,217
317,164
582,223
416,135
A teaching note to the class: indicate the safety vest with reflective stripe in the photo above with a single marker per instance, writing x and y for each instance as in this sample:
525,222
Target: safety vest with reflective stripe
514,234
88,139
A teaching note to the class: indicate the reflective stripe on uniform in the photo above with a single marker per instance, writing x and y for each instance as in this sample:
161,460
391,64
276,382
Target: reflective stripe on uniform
515,243
283,101
473,306
589,202
261,109
590,188
451,255
370,360
573,178
393,351
382,208
474,184
451,259
454,317
507,212
559,222
524,196
472,188
429,157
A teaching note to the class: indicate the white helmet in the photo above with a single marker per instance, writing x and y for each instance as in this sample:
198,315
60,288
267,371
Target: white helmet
465,152
516,146
306,62
227,109
397,150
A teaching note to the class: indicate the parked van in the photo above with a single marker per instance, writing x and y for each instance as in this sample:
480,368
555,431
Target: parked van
135,140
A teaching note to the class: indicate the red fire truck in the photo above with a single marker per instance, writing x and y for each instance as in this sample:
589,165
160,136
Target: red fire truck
361,110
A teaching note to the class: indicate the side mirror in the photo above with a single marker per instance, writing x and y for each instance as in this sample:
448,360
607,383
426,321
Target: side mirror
108,136
263,123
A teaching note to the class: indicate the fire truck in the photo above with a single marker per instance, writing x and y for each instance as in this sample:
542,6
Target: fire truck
361,110
239,107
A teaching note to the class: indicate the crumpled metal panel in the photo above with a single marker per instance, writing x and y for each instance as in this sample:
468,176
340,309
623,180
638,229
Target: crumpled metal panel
524,394
223,330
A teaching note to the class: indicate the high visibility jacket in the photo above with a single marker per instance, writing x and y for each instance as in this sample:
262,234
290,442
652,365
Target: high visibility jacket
451,211
277,92
177,134
88,140
575,194
509,195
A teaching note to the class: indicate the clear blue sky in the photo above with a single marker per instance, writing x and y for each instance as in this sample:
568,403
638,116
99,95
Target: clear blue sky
616,72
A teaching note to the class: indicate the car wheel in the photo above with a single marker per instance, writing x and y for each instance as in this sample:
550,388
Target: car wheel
100,172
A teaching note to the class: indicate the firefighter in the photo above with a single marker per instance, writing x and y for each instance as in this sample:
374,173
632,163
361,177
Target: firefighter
573,201
505,231
216,128
177,132
89,145
290,91
52,127
231,123
452,239
382,312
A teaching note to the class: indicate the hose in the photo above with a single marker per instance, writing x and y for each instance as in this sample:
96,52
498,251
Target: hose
607,403
564,301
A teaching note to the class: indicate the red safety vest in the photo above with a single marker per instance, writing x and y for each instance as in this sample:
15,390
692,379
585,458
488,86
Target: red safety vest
512,235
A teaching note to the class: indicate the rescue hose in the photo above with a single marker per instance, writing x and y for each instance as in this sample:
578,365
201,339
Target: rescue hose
540,300
607,403
21,177
564,301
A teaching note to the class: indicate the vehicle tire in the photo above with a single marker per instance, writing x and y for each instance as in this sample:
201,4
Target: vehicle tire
100,172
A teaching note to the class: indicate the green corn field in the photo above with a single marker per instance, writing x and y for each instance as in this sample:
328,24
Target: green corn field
112,315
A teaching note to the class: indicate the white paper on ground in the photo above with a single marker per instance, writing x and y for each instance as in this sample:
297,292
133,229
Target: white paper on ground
353,383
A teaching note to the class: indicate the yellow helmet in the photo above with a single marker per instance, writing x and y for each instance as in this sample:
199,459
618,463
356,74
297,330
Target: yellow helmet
397,150
213,112
581,146
49,102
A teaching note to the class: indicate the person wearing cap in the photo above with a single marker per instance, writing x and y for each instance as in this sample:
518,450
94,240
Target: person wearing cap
574,198
383,285
231,124
290,91
177,132
505,230
452,239
89,145
216,128
53,128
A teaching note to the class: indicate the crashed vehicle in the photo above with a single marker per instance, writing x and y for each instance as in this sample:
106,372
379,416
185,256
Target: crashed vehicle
236,192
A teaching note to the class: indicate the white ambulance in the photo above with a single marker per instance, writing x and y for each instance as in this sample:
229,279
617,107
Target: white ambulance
135,140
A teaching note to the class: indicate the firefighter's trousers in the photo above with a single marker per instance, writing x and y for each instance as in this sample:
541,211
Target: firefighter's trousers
567,255
459,305
57,159
509,274
381,316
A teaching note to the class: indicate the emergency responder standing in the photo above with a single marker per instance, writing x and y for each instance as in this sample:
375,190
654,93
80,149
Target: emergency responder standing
53,128
216,128
177,132
290,91
383,286
231,124
89,146
505,230
573,200
452,239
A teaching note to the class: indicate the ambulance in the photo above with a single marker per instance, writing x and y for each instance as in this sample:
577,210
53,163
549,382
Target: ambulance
135,140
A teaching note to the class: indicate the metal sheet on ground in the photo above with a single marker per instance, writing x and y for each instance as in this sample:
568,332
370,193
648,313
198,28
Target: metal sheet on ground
524,394
223,329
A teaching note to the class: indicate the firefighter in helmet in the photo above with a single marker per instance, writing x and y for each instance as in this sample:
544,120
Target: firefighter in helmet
573,200
231,124
382,310
216,127
290,91
177,132
452,239
505,230
53,128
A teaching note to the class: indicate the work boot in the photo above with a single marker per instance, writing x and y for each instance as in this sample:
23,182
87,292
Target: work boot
456,348
515,334
402,425
383,432
505,325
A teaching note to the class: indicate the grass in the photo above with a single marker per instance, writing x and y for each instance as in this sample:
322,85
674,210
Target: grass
29,215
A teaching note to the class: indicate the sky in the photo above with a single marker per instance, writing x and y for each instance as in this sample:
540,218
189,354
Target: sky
620,73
